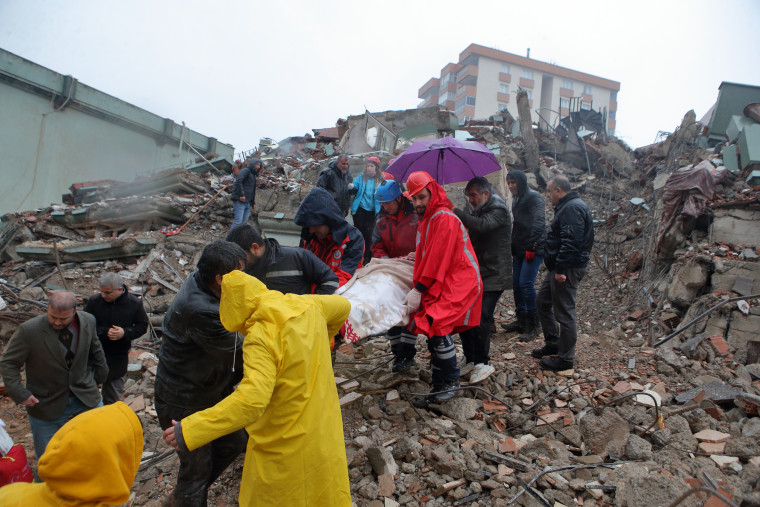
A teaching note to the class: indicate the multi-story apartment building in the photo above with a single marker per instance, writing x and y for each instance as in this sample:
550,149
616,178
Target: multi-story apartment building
485,82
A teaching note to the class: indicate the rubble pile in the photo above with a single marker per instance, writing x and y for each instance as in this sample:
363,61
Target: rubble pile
666,391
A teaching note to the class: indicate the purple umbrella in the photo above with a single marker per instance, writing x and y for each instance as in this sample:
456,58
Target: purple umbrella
447,160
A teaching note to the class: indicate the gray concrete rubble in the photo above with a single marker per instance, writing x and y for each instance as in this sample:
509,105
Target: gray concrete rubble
639,421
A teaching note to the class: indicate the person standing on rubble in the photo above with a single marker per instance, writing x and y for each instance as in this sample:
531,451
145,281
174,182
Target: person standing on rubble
395,235
568,245
244,192
199,364
287,400
489,224
120,318
365,207
283,268
528,241
337,181
64,363
447,292
326,233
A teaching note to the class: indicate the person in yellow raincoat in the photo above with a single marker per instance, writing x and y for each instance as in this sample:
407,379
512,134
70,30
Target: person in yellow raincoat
91,461
287,400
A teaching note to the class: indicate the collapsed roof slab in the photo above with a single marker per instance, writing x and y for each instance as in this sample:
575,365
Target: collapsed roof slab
100,250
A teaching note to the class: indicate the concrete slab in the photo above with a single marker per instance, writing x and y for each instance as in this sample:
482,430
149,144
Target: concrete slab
736,226
743,329
726,273
715,391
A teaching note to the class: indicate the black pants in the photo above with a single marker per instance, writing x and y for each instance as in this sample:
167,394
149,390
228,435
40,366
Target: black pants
200,468
476,341
365,221
556,310
403,343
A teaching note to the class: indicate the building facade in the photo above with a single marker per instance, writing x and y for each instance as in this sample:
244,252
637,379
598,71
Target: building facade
485,82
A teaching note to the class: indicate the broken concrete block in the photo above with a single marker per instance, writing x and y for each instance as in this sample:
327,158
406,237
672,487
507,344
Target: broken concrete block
461,409
381,460
723,461
712,447
736,226
712,436
727,271
350,398
605,434
687,283
744,328
386,485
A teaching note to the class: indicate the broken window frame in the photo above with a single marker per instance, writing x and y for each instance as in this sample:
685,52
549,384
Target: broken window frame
385,140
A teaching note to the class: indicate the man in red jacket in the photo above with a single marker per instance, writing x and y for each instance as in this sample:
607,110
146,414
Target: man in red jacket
447,293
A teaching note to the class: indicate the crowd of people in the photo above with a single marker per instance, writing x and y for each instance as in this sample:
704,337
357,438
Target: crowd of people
244,364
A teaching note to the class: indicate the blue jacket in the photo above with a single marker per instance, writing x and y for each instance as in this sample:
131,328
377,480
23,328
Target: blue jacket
359,184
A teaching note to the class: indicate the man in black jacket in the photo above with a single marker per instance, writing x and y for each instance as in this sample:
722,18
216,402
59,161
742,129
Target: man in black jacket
528,241
120,318
199,364
337,180
244,191
283,268
489,225
568,245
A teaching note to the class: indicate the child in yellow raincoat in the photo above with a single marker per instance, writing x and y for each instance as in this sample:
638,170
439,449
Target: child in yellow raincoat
287,401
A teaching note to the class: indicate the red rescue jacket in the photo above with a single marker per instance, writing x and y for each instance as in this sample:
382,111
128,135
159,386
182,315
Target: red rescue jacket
395,235
332,254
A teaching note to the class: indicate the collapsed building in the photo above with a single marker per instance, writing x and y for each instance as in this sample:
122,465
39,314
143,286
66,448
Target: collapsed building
663,403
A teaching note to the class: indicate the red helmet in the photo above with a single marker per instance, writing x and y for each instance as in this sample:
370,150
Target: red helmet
416,182
375,161
388,176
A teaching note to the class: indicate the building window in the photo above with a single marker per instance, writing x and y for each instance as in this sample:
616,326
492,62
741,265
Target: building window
527,74
459,106
586,106
448,77
470,101
503,88
505,68
587,89
613,96
461,90
567,84
502,107
564,103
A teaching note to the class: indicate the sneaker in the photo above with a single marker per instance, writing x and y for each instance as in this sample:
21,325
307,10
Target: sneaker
546,350
445,396
465,369
402,364
555,364
481,372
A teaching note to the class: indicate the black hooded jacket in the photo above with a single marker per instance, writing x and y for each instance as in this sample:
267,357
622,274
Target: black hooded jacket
245,183
529,229
336,183
571,235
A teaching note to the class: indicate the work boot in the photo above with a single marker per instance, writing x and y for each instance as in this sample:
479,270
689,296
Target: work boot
445,396
517,325
402,364
532,327
546,350
555,364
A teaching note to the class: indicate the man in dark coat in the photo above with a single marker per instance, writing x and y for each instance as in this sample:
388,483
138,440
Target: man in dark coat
199,364
337,181
568,245
120,318
244,191
489,225
283,268
528,241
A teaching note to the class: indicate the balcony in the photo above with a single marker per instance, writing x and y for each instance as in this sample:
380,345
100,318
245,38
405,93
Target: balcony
527,83
468,75
427,88
565,92
505,78
502,97
587,97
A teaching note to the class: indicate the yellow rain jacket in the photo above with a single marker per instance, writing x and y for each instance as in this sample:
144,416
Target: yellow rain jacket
91,461
287,400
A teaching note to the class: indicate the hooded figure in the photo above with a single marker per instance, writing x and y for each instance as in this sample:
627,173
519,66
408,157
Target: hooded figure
287,400
91,461
326,233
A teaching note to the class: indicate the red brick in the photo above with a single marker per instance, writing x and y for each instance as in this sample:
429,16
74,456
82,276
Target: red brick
720,345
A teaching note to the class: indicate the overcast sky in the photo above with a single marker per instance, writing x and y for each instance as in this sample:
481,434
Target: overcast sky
240,70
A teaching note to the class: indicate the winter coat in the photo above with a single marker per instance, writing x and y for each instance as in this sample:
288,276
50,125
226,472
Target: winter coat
196,356
445,263
245,184
128,313
395,235
336,183
91,461
529,228
343,248
490,229
360,182
287,400
571,235
293,270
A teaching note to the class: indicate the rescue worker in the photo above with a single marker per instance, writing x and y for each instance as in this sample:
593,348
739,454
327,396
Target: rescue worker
489,224
447,293
287,400
395,235
337,181
283,268
326,233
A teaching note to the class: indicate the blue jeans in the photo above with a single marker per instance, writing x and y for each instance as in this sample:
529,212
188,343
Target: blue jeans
242,212
523,277
43,431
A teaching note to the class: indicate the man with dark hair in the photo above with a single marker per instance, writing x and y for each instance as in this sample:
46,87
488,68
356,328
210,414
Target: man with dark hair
199,364
283,268
568,245
244,191
64,363
326,233
120,318
489,224
337,181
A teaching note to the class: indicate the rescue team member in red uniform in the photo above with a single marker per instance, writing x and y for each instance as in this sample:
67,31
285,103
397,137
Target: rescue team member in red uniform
447,293
326,233
395,235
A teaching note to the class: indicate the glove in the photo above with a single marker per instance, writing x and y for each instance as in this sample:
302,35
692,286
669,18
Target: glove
350,186
529,256
412,300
